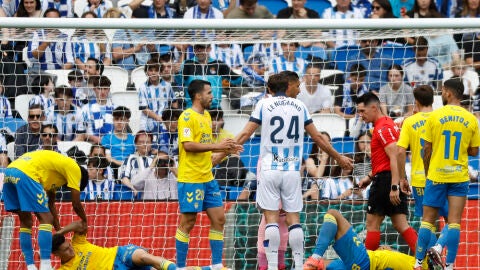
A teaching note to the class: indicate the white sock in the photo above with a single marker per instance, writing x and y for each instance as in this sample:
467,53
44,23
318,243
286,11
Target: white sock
45,265
31,267
272,243
295,240
438,248
418,263
449,266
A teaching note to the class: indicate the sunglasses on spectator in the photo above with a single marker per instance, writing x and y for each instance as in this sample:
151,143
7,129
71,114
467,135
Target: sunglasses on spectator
51,135
35,116
376,7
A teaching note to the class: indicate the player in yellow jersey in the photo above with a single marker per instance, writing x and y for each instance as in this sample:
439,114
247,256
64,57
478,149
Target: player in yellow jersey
351,250
30,183
410,137
81,254
197,190
451,135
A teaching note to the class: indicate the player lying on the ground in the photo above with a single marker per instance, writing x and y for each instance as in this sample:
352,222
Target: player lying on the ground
351,250
80,254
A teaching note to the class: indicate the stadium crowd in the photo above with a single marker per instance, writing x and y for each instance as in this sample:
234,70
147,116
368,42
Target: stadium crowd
136,158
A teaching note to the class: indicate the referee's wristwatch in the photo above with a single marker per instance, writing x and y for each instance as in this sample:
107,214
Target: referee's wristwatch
395,187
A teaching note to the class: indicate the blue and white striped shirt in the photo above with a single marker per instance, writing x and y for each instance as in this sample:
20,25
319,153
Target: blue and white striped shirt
231,55
155,98
5,107
280,64
65,123
99,190
65,7
55,56
95,119
83,49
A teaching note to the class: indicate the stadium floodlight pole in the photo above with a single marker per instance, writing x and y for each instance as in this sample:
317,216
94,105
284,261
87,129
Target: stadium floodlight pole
245,24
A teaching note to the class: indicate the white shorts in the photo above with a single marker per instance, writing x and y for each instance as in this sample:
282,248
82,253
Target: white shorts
275,187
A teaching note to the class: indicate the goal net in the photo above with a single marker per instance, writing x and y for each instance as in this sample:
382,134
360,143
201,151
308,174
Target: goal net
149,65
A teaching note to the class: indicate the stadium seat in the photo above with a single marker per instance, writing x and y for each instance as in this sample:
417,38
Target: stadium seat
247,52
21,105
339,56
251,151
235,122
129,100
63,146
11,124
437,102
332,123
315,51
25,57
274,6
469,74
345,145
79,6
61,76
329,72
11,151
473,191
318,5
225,104
399,52
119,78
123,193
138,77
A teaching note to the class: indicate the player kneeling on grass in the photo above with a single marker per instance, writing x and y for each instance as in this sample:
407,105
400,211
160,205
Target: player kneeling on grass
81,254
351,250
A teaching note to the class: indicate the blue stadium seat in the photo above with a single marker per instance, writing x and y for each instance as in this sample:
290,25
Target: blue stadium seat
230,193
315,51
399,52
345,145
273,5
12,124
123,193
473,191
247,51
318,5
339,56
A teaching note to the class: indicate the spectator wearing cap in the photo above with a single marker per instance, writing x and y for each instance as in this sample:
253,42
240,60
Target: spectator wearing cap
62,114
206,68
27,137
249,9
154,96
119,143
95,118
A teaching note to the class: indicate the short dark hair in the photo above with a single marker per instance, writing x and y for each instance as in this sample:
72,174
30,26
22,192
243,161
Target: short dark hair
39,82
35,106
291,75
52,126
63,90
98,162
368,98
277,83
75,75
313,65
151,63
423,94
171,114
54,10
196,86
396,67
99,81
97,146
421,43
57,241
83,178
216,114
121,111
455,85
98,64
247,2
358,70
143,132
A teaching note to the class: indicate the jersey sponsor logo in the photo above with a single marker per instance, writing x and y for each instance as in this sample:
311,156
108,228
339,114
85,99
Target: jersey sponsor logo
187,132
11,179
277,158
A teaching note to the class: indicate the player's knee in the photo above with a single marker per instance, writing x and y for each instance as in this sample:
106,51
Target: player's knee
218,221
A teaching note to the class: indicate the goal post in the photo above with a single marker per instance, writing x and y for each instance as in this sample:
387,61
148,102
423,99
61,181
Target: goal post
152,223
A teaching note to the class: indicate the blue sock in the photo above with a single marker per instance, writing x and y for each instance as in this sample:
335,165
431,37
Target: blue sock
433,240
181,246
424,235
442,239
453,239
172,267
326,235
26,245
45,241
216,246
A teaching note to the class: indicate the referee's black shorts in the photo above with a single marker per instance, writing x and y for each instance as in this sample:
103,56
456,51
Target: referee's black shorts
379,197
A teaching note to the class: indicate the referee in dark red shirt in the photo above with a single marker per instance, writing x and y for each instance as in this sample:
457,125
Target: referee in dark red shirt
386,198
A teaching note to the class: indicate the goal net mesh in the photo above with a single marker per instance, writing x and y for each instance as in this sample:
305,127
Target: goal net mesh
246,57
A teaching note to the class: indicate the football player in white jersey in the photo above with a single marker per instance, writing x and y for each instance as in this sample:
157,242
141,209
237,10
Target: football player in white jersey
283,119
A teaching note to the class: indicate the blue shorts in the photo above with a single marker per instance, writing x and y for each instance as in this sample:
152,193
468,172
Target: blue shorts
418,196
436,194
123,260
198,197
336,265
352,251
20,192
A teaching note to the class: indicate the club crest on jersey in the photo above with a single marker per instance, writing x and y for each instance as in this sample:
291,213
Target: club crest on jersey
213,70
186,132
